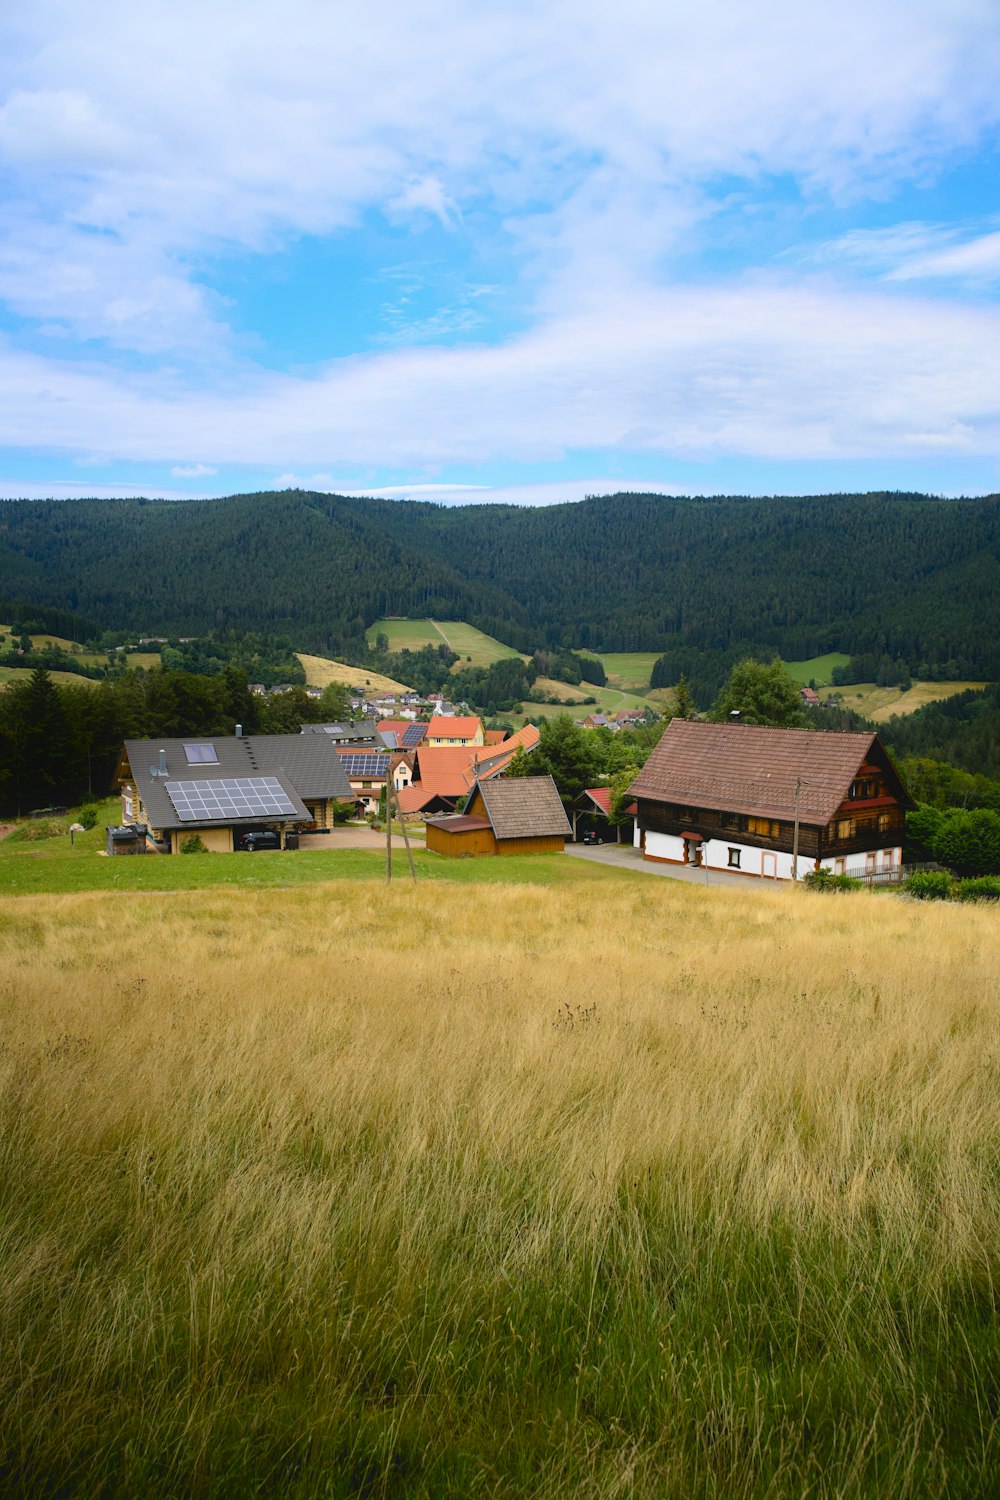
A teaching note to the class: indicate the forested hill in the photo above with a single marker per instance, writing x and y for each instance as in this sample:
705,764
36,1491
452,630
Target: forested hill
914,577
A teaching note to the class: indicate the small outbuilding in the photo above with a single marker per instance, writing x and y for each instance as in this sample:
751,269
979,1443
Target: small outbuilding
505,815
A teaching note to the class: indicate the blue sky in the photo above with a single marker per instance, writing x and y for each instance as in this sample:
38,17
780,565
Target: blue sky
524,252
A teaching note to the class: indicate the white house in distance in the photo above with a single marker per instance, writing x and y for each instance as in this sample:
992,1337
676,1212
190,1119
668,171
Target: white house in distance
730,797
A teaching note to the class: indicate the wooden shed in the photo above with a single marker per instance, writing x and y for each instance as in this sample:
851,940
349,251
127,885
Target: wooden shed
507,815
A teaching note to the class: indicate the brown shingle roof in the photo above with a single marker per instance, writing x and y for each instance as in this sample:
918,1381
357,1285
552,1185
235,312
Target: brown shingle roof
748,768
524,807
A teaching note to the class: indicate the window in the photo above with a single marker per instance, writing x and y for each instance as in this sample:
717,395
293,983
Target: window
734,858
201,755
864,788
730,820
884,822
844,828
840,867
764,828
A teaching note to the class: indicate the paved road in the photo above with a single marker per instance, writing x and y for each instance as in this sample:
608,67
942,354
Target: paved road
624,857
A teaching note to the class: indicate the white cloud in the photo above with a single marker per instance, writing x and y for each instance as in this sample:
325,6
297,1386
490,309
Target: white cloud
426,195
762,369
192,471
916,252
166,132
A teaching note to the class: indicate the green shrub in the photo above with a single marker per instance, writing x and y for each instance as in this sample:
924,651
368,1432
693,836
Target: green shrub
193,844
985,888
969,841
88,816
929,885
826,880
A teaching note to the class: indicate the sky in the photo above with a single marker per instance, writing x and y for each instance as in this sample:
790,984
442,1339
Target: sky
521,252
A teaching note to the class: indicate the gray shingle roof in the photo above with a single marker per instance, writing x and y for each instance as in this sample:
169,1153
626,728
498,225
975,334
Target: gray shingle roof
748,768
305,765
521,807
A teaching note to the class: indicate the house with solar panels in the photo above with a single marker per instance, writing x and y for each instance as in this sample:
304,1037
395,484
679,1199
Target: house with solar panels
225,787
366,771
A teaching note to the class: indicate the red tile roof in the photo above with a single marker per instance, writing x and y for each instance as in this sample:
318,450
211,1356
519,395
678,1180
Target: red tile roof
747,768
441,727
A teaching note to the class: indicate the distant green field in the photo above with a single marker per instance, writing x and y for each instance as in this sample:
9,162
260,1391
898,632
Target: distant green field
627,670
465,639
817,668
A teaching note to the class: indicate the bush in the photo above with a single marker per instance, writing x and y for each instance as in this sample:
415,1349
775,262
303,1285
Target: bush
969,841
193,844
929,885
985,888
88,816
826,880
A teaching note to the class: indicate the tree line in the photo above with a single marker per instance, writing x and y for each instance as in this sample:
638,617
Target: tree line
904,579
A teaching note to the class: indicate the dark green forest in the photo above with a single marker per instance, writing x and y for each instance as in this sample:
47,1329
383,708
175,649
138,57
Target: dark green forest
902,578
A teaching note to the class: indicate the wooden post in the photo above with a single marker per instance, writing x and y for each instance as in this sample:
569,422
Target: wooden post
402,824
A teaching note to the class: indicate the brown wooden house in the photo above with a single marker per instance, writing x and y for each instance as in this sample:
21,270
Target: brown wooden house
739,796
508,815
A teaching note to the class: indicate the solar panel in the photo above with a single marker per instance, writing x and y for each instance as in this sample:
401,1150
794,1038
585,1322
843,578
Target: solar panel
414,735
201,755
365,765
236,797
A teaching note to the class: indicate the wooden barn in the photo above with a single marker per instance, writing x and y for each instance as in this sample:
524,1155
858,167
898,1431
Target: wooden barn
508,815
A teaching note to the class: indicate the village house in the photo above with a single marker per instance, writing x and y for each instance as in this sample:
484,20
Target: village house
770,802
225,786
454,730
506,815
367,771
444,774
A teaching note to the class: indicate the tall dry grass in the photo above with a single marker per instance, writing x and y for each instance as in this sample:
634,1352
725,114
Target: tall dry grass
483,1191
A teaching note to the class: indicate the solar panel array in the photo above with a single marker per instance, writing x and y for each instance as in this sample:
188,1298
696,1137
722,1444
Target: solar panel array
413,735
235,797
365,765
201,755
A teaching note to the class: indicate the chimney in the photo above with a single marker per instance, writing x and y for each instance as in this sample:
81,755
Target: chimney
239,731
163,763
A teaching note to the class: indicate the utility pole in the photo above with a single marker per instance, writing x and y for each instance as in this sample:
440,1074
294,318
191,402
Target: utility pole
390,794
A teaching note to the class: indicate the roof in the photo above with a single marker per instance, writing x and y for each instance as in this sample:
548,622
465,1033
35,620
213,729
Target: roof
454,727
459,823
524,807
362,731
494,736
402,733
447,769
417,796
749,768
363,765
602,796
304,765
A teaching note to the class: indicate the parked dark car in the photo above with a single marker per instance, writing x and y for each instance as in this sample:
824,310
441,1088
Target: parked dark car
593,837
258,838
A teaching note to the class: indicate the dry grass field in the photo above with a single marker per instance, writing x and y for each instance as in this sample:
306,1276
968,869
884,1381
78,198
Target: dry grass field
354,1191
321,671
